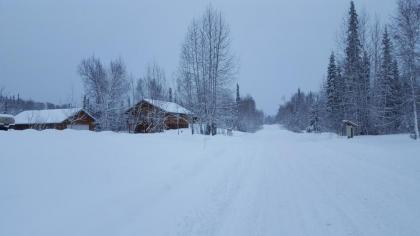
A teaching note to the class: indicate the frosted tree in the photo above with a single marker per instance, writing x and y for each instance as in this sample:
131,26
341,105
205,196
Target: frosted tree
365,93
96,84
398,94
302,112
334,95
375,48
139,92
250,119
105,91
321,106
117,94
407,35
206,69
315,120
151,86
155,83
387,90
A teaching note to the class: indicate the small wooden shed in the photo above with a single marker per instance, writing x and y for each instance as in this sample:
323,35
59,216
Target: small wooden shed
349,128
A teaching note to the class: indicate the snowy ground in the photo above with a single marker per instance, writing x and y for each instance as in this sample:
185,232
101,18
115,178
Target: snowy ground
273,182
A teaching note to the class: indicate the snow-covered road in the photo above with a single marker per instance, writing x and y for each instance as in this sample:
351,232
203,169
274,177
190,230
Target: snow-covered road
273,182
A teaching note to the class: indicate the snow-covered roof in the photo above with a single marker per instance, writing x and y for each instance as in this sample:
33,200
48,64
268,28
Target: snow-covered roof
169,107
6,115
45,116
348,122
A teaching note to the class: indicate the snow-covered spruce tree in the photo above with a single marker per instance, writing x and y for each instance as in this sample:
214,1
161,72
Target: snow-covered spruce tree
365,91
237,104
375,44
398,98
387,91
321,107
299,113
315,124
407,35
355,96
334,95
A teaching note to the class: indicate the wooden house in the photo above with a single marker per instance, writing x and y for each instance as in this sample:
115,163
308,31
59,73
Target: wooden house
60,119
149,116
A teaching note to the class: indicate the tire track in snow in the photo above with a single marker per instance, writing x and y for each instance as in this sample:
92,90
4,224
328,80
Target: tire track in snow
207,218
176,187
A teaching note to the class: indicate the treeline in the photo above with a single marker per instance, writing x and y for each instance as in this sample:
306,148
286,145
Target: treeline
373,81
13,104
299,113
203,83
248,117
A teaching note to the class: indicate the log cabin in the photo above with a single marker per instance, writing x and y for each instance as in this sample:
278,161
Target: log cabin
149,116
60,119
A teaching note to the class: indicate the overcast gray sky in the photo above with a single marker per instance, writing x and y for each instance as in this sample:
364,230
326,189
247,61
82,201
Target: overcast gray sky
281,45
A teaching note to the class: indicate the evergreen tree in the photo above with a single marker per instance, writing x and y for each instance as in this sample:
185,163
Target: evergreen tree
355,96
85,105
237,107
238,97
398,97
365,100
315,125
170,96
333,94
387,91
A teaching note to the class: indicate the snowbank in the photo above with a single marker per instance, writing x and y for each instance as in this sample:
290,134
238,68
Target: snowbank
273,182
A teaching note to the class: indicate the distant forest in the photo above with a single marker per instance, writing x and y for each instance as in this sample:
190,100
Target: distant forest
13,104
372,79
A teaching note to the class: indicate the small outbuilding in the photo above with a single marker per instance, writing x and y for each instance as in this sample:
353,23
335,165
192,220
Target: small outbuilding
349,128
150,115
60,119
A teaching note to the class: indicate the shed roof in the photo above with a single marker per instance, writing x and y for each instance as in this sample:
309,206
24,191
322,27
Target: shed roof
51,116
348,122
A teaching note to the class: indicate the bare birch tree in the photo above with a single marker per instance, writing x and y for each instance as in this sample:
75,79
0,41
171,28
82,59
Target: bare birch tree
407,35
206,68
106,91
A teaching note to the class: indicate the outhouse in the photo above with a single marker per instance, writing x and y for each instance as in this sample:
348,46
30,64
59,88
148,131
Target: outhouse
349,128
